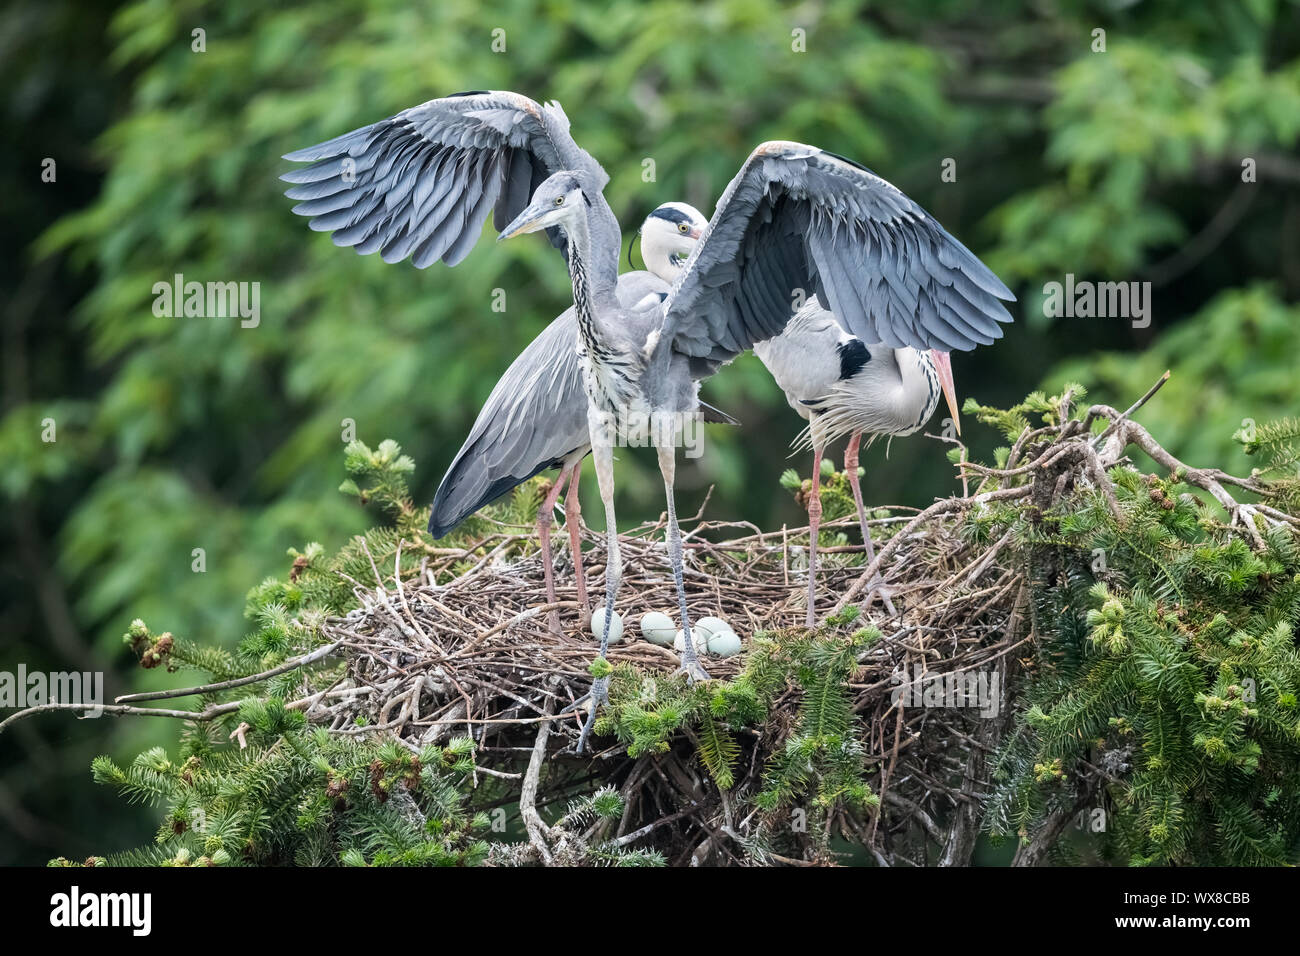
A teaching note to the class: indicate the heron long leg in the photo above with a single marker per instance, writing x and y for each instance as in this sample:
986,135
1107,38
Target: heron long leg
544,520
851,469
668,468
602,454
814,524
573,519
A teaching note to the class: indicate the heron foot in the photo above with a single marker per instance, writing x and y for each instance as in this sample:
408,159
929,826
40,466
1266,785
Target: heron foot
694,671
573,708
878,589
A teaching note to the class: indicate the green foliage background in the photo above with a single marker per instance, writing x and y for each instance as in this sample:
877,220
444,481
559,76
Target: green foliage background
175,434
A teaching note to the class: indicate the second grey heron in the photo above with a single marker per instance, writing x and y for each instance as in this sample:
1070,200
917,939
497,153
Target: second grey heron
844,387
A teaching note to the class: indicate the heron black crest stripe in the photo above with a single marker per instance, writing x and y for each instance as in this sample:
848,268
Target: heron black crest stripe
670,215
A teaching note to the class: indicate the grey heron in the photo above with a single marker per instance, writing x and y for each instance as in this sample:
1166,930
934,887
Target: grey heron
844,387
794,220
536,415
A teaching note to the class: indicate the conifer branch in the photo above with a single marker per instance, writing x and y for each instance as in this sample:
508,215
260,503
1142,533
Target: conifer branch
305,660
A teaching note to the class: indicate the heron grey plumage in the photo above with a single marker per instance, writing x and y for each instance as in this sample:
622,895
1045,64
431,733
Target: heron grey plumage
795,219
844,388
421,183
536,416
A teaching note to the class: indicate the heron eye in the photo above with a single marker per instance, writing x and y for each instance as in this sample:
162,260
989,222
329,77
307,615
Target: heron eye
682,228
559,200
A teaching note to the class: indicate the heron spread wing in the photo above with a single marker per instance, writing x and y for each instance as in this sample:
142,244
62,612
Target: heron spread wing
798,221
420,183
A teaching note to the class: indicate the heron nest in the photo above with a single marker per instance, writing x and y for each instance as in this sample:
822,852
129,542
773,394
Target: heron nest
464,648
475,656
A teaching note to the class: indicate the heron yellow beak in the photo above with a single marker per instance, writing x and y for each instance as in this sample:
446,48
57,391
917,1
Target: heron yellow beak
526,221
943,367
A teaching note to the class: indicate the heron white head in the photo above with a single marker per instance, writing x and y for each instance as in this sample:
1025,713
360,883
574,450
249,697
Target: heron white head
668,236
555,203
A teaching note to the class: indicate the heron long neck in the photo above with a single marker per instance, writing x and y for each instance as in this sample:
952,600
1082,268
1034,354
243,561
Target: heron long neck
593,292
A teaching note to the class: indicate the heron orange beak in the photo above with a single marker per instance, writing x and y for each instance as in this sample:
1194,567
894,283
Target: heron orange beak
695,233
943,367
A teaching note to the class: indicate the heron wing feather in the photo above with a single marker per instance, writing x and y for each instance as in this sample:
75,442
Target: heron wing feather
419,185
797,221
535,417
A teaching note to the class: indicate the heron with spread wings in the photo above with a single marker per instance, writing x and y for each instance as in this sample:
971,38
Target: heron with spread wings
795,221
843,388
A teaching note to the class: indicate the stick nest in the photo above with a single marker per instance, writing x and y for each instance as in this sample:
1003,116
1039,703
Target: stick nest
475,656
